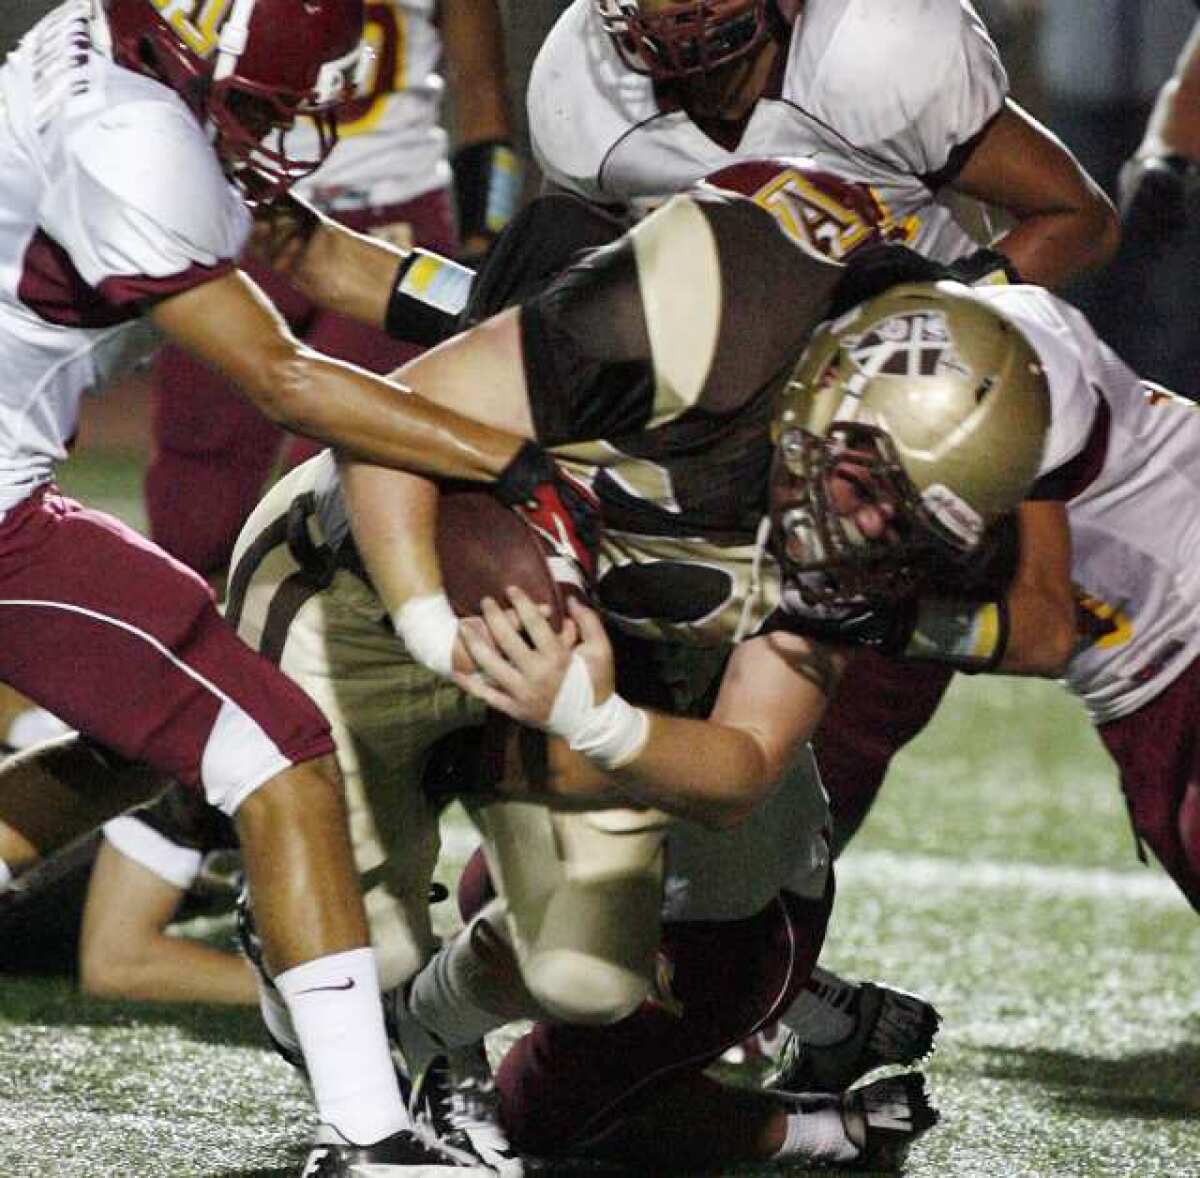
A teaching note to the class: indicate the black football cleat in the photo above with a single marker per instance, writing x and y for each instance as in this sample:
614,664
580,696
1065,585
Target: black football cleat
891,1027
884,1118
409,1153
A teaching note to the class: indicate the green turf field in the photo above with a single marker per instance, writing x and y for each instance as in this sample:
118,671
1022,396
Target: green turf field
997,876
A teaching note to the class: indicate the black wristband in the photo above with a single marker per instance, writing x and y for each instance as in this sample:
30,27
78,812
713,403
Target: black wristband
428,295
985,266
529,468
487,187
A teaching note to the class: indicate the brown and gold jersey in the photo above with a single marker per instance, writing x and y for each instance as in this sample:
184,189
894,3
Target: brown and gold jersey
651,365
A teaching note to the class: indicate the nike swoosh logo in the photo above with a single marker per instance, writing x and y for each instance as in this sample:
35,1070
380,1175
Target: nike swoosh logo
348,984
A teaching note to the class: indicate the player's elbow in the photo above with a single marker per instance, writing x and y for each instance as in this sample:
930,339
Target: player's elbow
1103,227
283,387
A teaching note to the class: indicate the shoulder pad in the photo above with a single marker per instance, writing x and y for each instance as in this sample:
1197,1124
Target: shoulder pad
142,193
910,78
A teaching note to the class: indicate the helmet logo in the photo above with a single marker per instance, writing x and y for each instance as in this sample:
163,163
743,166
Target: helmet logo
196,22
915,343
954,514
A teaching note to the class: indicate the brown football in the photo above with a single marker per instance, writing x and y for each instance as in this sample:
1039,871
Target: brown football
484,547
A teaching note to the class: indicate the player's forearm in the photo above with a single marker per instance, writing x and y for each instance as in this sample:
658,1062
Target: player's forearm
348,272
1174,124
411,294
473,34
1051,248
378,421
393,518
710,773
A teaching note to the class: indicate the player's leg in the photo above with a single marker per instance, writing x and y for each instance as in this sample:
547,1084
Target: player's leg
126,645
880,705
1158,754
296,602
59,790
211,453
632,1091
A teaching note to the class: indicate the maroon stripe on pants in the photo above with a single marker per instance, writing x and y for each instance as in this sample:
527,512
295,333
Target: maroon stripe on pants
124,643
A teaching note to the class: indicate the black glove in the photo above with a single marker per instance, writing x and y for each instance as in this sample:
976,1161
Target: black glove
1154,195
885,628
984,267
558,506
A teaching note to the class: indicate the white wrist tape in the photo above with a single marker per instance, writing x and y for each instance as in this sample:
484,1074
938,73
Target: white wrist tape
427,625
611,733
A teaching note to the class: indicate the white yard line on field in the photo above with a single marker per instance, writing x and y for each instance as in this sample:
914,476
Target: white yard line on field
887,869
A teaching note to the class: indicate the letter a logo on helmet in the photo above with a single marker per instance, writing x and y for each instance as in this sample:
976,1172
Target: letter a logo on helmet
248,69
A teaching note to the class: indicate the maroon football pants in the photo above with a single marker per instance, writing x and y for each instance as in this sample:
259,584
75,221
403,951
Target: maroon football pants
1157,750
719,982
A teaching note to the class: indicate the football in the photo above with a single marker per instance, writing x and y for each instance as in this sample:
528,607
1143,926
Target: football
484,547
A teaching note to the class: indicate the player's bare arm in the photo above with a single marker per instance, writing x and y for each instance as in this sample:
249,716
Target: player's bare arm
1041,601
345,271
1065,223
392,513
231,325
713,771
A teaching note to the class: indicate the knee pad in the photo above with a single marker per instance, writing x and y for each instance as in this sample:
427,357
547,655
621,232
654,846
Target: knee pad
584,898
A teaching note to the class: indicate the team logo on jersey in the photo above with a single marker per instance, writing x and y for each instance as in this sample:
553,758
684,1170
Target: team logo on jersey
197,24
1099,624
833,221
914,343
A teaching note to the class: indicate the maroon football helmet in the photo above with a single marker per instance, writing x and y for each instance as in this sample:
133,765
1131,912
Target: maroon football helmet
671,39
815,208
248,69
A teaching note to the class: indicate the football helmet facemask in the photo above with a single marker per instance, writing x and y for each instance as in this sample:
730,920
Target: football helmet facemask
908,427
672,39
248,69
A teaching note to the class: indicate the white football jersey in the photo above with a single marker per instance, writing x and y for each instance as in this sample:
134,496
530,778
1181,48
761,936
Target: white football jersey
1126,457
881,92
391,146
110,195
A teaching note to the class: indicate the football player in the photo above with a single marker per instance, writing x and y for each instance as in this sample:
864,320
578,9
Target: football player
136,133
630,100
657,346
389,176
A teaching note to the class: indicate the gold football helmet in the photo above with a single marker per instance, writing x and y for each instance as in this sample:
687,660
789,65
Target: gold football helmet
908,427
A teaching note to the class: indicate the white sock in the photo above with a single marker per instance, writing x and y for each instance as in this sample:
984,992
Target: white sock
461,994
6,875
278,1018
823,1013
816,1132
32,726
337,1016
